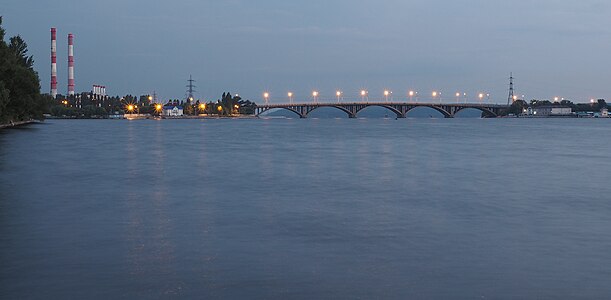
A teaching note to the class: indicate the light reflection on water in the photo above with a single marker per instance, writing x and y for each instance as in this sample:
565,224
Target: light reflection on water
305,209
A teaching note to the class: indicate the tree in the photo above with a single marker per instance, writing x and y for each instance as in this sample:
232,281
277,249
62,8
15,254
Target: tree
20,97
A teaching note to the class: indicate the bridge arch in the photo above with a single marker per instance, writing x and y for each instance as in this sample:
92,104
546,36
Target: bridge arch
350,114
437,108
285,108
487,113
392,109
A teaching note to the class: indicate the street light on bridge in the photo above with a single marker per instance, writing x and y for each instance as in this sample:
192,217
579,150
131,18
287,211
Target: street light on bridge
386,94
363,95
411,94
315,96
266,97
339,95
457,97
481,97
436,94
290,94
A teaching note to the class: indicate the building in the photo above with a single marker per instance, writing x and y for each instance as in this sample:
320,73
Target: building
604,112
549,111
171,110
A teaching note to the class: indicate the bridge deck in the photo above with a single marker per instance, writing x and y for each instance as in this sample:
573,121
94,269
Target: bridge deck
399,108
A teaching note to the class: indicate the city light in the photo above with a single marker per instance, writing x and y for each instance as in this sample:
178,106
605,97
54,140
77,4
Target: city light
290,94
315,96
266,97
158,107
386,94
363,95
411,95
338,94
202,106
219,108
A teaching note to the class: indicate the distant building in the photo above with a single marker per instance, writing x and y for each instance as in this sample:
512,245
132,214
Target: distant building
549,111
173,111
604,113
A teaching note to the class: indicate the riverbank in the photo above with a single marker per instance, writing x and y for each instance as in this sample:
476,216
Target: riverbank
16,124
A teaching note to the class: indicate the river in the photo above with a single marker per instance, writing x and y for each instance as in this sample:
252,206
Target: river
306,209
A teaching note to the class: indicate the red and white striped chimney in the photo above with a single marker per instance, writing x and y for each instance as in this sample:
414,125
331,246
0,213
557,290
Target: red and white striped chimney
53,62
70,64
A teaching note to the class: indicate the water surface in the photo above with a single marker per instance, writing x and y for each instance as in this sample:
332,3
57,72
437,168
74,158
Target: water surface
306,209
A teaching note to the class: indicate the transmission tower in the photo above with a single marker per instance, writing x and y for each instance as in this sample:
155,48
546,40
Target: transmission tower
190,89
510,99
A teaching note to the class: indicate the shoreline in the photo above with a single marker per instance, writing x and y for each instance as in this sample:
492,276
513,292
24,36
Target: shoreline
17,124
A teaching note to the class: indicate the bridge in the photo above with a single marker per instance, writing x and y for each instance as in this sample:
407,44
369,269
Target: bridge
400,109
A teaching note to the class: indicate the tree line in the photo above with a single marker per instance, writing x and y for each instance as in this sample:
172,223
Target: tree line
519,106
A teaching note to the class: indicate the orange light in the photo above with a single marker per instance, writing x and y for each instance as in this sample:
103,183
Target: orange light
219,108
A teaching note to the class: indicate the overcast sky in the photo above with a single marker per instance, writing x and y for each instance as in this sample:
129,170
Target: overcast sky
553,47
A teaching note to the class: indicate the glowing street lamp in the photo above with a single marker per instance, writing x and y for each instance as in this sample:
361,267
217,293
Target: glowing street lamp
481,97
290,94
386,94
338,94
150,98
411,95
202,107
315,96
130,108
457,97
363,95
435,94
266,97
555,99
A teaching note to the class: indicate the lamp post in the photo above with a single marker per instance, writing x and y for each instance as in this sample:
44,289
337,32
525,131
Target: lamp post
266,97
290,94
315,96
363,95
481,97
386,94
339,95
411,95
435,94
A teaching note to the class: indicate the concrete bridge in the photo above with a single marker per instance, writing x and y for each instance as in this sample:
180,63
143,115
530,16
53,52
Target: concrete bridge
398,108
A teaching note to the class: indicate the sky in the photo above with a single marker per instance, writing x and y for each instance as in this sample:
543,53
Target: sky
555,48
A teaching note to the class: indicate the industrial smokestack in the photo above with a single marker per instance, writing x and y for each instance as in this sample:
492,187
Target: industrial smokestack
70,64
53,62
